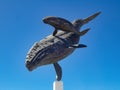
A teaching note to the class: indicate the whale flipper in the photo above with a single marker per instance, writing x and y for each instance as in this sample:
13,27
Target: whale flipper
55,32
78,46
58,70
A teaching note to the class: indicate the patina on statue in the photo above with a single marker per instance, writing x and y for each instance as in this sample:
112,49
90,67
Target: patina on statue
58,46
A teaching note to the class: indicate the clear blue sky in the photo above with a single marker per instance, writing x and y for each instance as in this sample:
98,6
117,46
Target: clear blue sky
96,67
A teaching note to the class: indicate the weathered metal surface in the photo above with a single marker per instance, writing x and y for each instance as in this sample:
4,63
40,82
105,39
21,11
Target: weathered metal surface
51,49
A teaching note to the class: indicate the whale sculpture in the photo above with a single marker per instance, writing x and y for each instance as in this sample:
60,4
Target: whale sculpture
52,49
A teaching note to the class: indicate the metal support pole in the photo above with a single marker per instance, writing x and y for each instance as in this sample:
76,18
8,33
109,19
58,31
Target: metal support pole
57,85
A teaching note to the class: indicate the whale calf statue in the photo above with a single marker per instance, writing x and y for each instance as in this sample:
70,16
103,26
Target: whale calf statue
62,24
52,49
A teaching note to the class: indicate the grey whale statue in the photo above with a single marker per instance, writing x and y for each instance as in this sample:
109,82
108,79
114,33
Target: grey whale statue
52,49
61,24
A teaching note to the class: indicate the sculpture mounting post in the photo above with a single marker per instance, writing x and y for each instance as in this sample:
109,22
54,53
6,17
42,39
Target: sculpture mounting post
57,85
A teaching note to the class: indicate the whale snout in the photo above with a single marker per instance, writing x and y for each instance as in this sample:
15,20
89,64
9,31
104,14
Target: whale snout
45,20
51,20
28,65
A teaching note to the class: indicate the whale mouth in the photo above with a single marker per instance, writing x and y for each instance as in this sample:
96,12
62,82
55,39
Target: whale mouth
28,65
29,68
35,58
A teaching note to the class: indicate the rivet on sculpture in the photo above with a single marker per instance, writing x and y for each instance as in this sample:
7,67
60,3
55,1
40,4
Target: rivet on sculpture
59,45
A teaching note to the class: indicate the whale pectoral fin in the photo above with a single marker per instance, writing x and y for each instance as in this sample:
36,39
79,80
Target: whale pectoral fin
58,70
55,32
82,46
78,46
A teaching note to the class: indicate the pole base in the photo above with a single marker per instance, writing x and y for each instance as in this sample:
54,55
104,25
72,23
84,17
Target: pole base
57,85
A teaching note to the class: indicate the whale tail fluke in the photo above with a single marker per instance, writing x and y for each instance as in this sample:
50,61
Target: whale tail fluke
84,32
80,22
90,18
